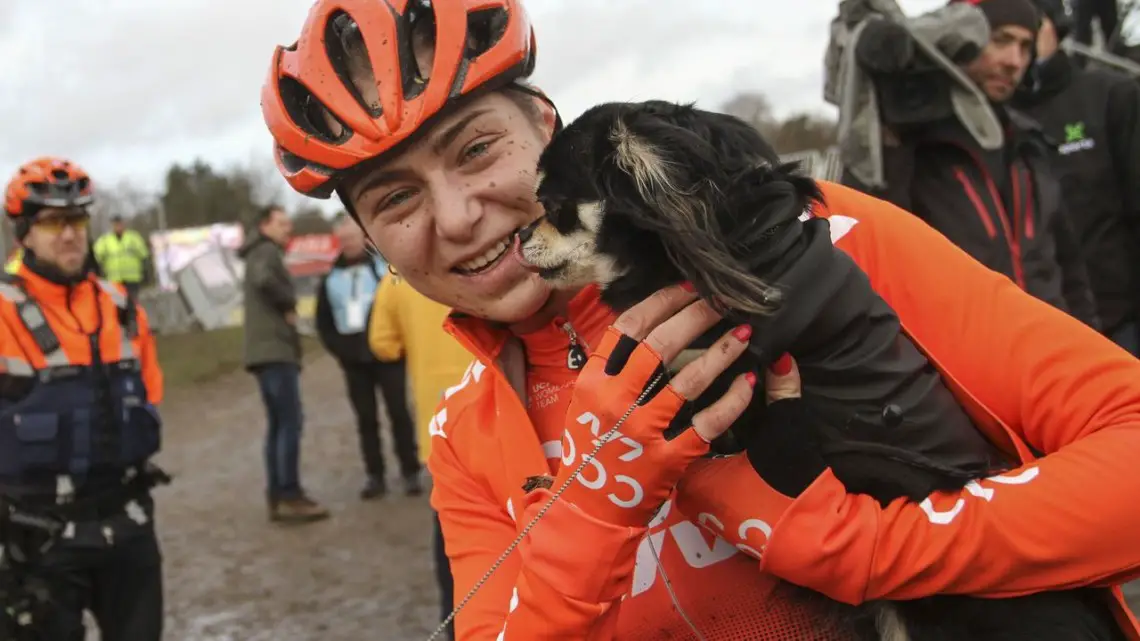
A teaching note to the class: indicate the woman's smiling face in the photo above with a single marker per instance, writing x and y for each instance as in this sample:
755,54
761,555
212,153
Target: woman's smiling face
445,211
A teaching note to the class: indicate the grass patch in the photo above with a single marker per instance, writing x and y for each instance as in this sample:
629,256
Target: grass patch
197,357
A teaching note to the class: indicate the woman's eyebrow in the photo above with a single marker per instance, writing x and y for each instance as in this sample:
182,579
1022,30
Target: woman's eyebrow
452,131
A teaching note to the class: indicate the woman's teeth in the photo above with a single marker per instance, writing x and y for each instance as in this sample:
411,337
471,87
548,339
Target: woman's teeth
488,258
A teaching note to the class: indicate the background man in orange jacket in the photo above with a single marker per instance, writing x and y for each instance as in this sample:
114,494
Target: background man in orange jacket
79,385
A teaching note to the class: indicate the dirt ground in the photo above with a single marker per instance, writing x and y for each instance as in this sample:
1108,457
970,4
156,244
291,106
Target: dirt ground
366,573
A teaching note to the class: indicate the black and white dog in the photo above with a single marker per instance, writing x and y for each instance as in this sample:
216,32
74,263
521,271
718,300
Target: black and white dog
639,196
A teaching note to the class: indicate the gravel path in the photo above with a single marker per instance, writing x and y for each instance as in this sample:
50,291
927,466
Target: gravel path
364,574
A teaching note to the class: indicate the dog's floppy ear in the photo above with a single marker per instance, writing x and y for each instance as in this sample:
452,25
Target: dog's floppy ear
682,179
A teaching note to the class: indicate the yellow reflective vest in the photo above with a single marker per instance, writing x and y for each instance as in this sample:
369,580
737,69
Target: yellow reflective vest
123,259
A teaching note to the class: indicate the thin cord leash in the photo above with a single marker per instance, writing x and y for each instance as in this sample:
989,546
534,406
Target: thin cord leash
672,594
602,440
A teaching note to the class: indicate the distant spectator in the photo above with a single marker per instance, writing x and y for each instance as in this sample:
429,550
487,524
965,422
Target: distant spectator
344,304
123,255
1001,206
1093,118
407,325
1104,11
273,355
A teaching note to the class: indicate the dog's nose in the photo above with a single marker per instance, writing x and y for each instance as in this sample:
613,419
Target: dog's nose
526,232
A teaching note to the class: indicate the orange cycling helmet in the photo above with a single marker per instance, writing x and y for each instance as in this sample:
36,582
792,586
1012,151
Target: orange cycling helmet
350,88
47,182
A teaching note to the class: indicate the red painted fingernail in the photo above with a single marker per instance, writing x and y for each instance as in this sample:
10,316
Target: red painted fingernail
782,366
687,286
742,333
751,378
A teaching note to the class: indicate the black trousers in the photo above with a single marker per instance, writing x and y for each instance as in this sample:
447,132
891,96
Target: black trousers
443,576
1086,10
362,379
121,584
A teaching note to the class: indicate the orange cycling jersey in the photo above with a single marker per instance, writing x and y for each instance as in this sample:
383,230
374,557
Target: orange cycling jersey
551,375
74,312
1034,379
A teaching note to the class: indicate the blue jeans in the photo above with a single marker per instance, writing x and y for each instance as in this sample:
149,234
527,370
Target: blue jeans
1128,337
280,385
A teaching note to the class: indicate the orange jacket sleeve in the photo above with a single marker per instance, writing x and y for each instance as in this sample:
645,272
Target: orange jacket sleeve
1027,373
148,359
551,587
15,359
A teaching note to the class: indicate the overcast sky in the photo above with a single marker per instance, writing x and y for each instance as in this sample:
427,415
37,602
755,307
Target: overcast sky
126,87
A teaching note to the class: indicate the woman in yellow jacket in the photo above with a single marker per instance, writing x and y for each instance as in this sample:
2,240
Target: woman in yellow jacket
406,324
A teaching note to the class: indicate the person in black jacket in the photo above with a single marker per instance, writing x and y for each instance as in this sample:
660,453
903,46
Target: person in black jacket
1092,116
1003,207
1106,11
344,305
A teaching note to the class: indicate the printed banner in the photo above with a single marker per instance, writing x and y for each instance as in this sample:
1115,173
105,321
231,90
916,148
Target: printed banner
311,254
176,249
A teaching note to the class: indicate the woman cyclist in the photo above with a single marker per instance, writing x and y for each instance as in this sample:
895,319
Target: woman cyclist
416,115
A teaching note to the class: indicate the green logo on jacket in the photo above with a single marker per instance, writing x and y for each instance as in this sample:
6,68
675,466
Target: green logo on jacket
1076,139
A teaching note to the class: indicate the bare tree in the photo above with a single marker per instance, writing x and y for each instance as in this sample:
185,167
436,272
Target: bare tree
310,220
754,109
126,200
805,132
798,132
265,182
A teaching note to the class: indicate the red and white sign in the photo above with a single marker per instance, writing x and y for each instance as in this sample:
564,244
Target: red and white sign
311,254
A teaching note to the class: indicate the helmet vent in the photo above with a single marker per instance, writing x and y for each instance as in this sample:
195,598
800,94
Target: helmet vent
416,33
348,55
484,30
310,114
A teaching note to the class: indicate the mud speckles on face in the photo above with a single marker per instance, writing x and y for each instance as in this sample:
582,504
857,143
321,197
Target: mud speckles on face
230,574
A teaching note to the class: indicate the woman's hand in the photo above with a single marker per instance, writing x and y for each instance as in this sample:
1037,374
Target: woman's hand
634,472
726,495
786,452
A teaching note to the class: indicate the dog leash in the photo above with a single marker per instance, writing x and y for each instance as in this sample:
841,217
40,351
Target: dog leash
602,440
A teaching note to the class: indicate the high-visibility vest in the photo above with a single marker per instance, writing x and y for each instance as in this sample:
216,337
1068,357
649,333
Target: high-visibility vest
122,258
13,264
74,415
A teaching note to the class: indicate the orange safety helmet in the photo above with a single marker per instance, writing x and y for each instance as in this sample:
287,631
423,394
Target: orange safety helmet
323,123
47,182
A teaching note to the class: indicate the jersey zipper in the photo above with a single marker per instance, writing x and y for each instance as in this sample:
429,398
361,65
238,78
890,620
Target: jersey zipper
577,353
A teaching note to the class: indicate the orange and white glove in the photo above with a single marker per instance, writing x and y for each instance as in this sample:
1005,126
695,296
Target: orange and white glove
637,467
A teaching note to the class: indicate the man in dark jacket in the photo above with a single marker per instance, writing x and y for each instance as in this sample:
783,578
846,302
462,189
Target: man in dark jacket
1004,206
273,355
1092,116
344,305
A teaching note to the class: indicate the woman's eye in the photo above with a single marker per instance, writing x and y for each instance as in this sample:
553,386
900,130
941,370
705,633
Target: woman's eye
393,200
396,198
476,149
